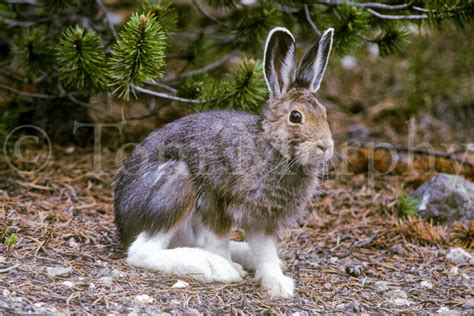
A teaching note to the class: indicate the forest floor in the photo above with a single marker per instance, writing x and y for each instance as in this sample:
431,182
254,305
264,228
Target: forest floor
350,254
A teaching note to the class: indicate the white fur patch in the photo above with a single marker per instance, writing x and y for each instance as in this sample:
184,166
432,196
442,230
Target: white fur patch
264,251
149,252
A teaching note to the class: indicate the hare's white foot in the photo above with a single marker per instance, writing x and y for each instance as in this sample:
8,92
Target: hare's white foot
268,269
278,286
239,269
149,252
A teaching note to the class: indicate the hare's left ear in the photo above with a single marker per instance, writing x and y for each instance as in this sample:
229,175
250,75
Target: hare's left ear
279,64
313,65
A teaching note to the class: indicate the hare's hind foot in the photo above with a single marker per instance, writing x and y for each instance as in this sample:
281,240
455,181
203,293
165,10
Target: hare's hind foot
149,252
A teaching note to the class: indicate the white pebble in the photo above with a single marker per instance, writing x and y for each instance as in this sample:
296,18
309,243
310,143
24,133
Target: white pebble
118,274
58,271
443,309
333,259
454,270
107,281
458,256
6,293
144,298
394,294
68,284
426,284
3,259
92,286
180,285
381,287
400,302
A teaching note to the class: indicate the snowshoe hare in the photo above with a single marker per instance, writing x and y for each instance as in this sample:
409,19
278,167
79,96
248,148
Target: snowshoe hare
187,183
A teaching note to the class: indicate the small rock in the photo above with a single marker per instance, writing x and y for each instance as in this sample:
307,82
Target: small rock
92,287
354,271
381,287
398,249
58,271
144,298
327,286
348,307
454,270
118,274
426,284
446,198
6,293
333,259
72,243
394,294
180,285
68,284
469,304
458,256
342,307
103,272
107,281
400,302
3,259
191,312
443,309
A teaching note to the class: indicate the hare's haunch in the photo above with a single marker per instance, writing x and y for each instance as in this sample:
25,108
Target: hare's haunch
186,184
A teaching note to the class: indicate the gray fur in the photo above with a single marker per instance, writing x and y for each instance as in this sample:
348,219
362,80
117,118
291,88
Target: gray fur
226,166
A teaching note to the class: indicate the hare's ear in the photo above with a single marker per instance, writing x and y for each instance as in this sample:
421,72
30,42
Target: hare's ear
314,62
279,65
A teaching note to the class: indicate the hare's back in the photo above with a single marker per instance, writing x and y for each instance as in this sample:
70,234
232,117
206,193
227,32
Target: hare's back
205,130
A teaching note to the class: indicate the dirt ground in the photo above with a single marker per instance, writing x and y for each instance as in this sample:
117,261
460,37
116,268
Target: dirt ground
350,254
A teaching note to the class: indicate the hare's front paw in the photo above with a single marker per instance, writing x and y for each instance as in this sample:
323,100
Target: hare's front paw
279,286
239,269
222,270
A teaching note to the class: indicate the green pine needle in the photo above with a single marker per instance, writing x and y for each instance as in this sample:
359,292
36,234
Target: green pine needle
391,41
351,26
164,12
243,88
81,60
56,6
456,11
254,24
139,54
222,3
33,53
407,206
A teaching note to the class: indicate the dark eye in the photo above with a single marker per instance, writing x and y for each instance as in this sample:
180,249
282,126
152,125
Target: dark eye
296,117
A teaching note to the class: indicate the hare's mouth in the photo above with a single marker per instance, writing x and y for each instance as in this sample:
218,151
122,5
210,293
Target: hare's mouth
314,153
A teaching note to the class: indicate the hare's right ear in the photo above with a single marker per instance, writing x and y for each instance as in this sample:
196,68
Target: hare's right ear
313,65
279,64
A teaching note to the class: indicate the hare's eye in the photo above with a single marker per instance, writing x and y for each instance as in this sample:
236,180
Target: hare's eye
296,117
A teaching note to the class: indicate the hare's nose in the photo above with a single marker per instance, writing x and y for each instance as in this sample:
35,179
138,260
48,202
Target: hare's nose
324,145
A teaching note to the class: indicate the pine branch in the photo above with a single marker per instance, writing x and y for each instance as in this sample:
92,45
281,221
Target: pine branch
106,13
163,11
216,64
373,5
81,60
243,88
28,94
310,21
398,17
204,13
138,55
164,95
33,53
